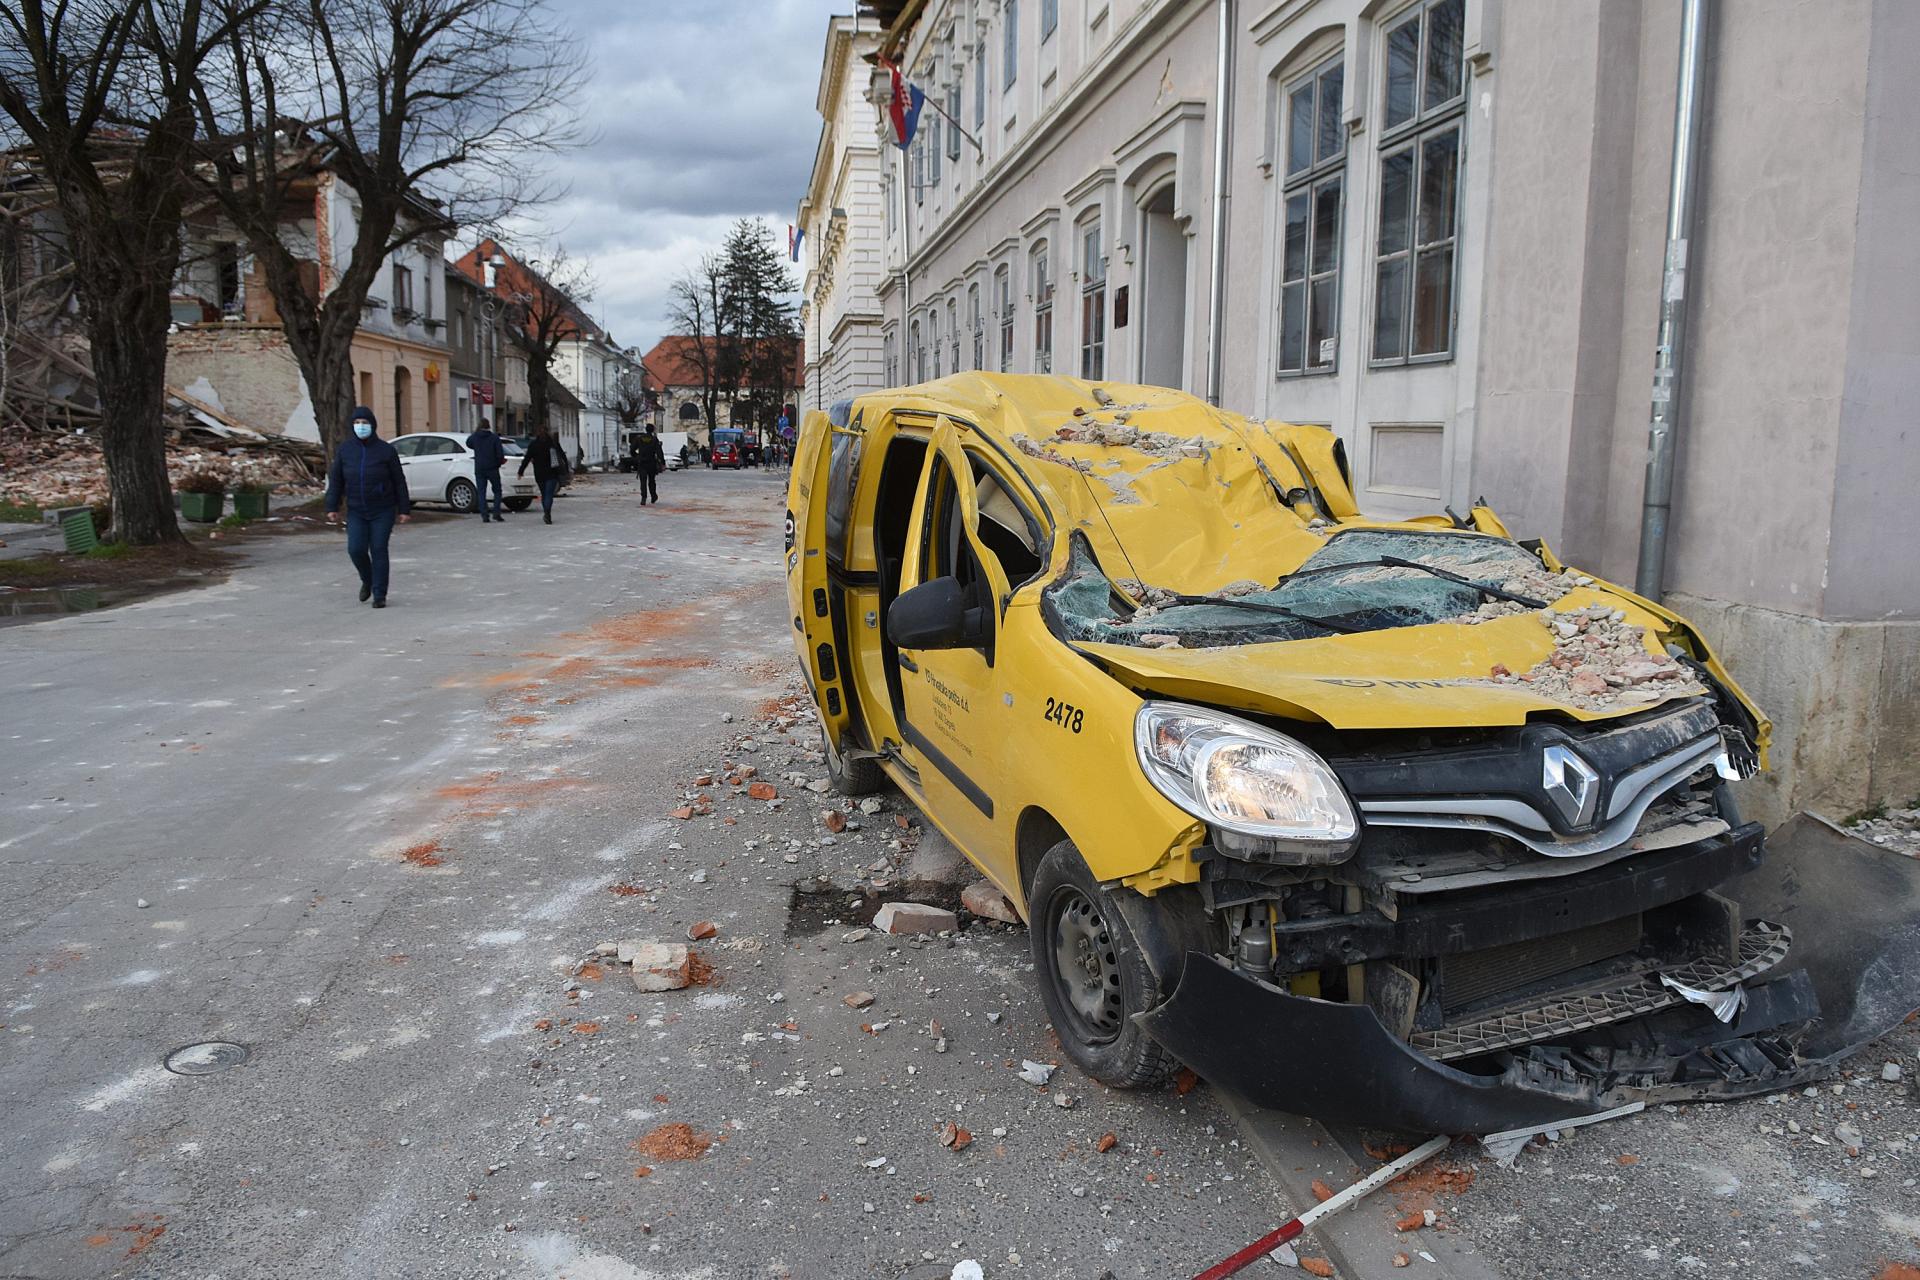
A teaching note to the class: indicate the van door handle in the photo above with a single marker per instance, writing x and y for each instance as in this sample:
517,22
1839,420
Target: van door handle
909,663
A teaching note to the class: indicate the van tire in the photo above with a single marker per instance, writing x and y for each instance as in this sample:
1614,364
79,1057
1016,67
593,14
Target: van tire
857,777
1068,917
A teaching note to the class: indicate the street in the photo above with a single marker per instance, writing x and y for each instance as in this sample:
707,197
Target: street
254,762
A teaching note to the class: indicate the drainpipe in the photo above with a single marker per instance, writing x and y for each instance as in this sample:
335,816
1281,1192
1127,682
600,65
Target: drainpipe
1217,266
1669,356
906,258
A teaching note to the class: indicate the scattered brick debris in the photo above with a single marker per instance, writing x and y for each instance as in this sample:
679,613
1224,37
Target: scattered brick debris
425,854
954,1137
1321,1191
1107,1143
1316,1267
676,1141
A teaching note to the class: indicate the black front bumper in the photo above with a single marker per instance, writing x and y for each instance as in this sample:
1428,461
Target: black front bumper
1336,1061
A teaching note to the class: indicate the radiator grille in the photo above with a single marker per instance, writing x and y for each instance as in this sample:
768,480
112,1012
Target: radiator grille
1473,976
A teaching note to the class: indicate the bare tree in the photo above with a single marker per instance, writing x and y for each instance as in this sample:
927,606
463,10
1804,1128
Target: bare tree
626,398
429,110
697,303
100,92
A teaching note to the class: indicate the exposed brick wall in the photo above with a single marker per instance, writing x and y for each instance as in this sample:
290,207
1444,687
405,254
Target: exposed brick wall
251,372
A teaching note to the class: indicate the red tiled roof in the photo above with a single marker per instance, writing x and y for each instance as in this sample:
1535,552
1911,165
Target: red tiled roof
674,362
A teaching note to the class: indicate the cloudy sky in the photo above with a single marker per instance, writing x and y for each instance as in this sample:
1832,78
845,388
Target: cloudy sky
701,111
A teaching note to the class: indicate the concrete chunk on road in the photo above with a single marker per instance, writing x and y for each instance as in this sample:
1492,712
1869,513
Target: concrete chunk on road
914,917
658,966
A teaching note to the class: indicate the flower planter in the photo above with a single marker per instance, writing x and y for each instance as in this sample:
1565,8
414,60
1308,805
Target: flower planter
202,508
251,505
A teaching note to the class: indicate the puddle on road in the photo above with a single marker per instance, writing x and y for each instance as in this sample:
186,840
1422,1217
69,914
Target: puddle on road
814,908
33,604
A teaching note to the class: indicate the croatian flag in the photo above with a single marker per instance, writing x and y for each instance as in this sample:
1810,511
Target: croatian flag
794,236
904,108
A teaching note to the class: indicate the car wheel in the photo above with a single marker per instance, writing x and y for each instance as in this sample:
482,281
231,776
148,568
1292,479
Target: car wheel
1093,977
518,504
462,496
859,777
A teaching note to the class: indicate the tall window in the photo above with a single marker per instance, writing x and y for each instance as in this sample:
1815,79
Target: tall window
953,128
402,290
979,324
1042,313
917,353
933,337
1093,304
1003,309
1049,18
1415,259
1310,249
1010,44
953,330
890,358
930,120
917,179
980,85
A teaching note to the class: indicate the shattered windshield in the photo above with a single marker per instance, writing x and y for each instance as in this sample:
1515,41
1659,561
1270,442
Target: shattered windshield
1362,580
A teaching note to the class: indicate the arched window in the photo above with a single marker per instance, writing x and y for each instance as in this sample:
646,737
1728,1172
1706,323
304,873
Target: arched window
1042,280
689,411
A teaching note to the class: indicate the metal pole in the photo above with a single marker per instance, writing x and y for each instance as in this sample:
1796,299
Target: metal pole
906,253
1217,269
1669,355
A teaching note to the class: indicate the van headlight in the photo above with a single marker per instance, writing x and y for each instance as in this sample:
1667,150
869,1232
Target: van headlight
1267,797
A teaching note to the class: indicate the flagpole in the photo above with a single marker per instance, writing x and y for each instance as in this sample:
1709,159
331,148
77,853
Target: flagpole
934,102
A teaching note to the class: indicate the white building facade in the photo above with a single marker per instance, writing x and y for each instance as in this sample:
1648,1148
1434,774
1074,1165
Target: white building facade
590,366
843,215
1444,237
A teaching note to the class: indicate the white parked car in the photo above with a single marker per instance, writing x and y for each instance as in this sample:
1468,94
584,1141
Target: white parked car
439,468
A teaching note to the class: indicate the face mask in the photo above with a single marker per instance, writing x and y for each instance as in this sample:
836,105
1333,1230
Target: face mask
363,429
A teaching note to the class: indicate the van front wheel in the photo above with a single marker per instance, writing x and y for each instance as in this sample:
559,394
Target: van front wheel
1093,977
858,777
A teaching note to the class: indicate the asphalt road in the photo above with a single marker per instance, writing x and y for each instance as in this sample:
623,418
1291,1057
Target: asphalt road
424,1096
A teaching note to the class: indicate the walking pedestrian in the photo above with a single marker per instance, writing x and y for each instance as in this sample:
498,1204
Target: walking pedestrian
649,460
549,460
489,455
366,473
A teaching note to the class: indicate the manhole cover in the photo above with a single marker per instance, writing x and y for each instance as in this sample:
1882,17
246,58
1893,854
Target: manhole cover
205,1059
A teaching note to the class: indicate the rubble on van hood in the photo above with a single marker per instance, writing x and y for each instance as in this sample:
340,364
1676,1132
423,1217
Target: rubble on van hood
1599,662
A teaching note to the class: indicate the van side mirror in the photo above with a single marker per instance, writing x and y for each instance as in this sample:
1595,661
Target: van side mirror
936,615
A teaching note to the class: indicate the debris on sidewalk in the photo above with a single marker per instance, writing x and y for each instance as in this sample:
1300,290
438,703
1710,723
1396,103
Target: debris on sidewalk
1036,1072
1889,826
1506,1146
658,966
984,899
914,917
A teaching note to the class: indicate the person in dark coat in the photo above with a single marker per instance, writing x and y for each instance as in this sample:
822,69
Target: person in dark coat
549,461
649,460
489,455
366,473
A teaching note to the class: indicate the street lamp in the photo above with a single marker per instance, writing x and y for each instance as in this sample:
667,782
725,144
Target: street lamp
492,307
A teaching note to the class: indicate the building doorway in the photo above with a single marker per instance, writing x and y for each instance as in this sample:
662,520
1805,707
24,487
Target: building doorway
402,399
1163,292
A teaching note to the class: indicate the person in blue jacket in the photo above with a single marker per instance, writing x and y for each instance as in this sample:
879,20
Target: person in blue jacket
489,455
366,472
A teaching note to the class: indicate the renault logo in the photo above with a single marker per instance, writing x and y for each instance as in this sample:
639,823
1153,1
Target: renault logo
1571,784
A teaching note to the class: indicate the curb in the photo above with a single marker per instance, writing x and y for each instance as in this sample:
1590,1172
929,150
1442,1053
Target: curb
1362,1241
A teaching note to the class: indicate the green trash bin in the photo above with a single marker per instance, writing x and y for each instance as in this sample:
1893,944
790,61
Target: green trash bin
77,528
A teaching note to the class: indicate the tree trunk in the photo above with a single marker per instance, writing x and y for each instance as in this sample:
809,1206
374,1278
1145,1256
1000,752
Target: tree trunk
537,395
124,302
130,366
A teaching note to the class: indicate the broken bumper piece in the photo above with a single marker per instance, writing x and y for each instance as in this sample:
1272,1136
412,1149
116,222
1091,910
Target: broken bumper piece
1852,975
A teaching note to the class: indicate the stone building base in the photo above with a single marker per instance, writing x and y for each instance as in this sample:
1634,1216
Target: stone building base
1844,698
